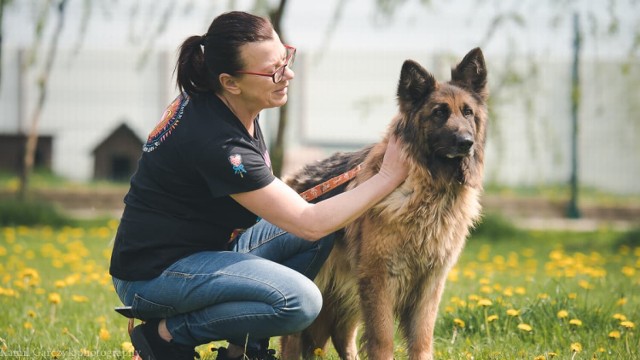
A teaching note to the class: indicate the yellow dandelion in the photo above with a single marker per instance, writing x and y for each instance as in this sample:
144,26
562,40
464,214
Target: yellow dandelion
621,301
572,296
27,325
628,324
59,284
563,314
575,322
484,302
508,292
540,357
628,271
79,298
520,290
491,318
513,312
552,354
459,323
576,347
32,314
620,317
585,284
104,334
543,296
525,327
318,352
614,334
55,354
54,298
127,347
486,289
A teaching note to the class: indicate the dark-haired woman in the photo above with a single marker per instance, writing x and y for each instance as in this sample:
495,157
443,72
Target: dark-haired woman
211,246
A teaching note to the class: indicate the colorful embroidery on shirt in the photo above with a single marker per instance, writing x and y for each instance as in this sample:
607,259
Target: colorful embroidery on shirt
170,119
236,162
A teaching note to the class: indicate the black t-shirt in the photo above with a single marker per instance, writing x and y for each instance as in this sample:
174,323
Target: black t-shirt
178,203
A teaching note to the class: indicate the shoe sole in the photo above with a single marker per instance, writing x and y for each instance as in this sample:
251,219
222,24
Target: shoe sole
142,348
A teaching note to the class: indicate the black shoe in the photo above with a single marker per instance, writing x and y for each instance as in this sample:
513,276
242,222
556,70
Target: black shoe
149,345
262,354
223,355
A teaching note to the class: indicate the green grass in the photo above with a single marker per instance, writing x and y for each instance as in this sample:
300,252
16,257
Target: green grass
56,297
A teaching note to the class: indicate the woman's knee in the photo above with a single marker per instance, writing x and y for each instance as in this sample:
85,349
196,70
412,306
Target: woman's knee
303,308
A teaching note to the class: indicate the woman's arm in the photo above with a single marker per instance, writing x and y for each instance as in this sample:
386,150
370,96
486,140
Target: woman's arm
283,207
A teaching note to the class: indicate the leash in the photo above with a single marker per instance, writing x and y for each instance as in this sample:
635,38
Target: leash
330,184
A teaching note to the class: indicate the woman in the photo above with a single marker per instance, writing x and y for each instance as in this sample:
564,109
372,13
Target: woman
181,258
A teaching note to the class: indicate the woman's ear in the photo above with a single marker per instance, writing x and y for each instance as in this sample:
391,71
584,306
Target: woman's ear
229,83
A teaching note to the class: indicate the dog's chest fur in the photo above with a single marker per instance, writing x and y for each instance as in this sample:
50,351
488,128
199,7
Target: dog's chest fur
415,230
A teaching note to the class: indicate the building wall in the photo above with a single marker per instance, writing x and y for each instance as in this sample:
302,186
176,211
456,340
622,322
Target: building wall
346,99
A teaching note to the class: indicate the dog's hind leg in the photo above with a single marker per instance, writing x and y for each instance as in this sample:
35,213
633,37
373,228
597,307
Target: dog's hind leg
317,334
344,337
290,347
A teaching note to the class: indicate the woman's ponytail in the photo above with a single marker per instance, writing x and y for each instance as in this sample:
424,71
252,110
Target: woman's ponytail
203,58
192,75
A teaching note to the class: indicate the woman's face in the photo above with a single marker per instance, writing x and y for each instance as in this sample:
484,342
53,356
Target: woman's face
264,57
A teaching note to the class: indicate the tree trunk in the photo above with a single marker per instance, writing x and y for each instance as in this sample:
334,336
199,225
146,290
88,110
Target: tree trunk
32,137
278,148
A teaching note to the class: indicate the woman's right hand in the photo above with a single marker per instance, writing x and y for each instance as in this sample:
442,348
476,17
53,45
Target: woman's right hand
394,164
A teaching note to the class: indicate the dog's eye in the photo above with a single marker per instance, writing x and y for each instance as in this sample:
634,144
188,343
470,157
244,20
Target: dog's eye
440,112
467,111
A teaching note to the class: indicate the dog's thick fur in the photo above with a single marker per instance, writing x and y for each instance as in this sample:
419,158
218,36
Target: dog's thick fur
392,262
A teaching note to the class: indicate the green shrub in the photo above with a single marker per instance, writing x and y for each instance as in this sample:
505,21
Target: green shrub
630,238
495,227
14,212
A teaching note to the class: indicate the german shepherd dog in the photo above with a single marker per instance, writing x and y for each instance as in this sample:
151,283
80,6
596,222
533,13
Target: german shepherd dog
392,262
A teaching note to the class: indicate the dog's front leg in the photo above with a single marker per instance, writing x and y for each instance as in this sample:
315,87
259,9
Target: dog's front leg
377,312
418,320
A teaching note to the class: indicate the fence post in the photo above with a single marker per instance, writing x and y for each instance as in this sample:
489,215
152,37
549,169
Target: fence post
572,211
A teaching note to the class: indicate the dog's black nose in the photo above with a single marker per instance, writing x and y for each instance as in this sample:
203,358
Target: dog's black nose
464,142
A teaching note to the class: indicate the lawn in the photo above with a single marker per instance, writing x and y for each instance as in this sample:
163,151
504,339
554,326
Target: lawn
526,295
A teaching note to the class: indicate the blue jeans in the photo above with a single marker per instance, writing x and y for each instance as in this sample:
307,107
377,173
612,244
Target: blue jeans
261,287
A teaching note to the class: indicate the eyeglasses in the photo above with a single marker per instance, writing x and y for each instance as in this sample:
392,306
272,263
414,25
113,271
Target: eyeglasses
277,75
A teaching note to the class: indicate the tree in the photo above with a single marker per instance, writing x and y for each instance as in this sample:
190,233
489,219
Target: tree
43,80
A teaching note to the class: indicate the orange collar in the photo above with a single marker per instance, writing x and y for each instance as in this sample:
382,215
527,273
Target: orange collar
330,184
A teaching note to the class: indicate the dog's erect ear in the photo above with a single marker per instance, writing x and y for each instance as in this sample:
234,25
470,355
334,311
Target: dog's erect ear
415,84
471,74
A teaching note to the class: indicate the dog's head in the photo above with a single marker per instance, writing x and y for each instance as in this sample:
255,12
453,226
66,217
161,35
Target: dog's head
443,124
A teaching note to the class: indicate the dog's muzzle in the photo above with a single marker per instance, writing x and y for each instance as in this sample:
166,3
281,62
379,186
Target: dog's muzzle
463,146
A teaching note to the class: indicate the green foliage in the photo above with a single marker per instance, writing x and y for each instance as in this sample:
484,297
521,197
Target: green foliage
630,239
495,227
14,212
